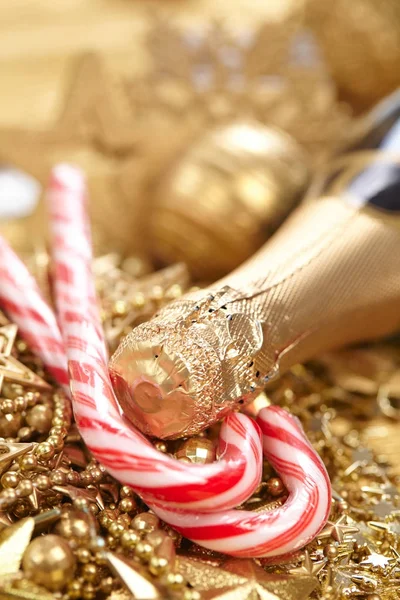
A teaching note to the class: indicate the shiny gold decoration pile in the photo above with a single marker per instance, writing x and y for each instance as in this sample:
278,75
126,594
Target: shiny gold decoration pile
190,97
69,531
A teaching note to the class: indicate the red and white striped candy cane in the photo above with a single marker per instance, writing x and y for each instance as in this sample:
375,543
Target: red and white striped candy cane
133,460
285,529
21,299
125,452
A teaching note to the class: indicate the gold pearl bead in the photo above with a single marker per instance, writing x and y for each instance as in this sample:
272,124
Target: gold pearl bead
24,433
129,539
116,529
25,488
73,478
31,398
88,591
49,561
44,451
83,555
126,492
10,480
81,504
106,585
144,551
20,403
39,417
85,478
90,572
157,565
7,406
10,425
275,486
175,581
161,446
127,505
191,595
124,520
74,590
145,522
197,450
155,538
8,497
43,482
96,474
74,525
330,551
28,462
58,477
56,441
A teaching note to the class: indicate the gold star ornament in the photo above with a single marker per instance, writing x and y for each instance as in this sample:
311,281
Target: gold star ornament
13,542
10,368
244,579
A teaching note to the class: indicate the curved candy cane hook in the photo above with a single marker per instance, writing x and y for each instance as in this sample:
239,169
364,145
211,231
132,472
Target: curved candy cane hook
284,529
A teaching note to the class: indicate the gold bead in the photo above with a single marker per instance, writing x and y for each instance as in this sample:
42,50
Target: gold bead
191,595
10,425
129,539
20,403
145,522
25,488
83,555
10,480
28,462
49,561
175,580
7,406
96,474
58,477
127,505
59,430
330,551
124,520
44,451
74,590
43,482
39,417
144,551
275,486
111,542
158,566
31,398
90,572
8,497
197,450
161,446
106,585
116,529
24,433
81,504
126,492
74,525
88,591
73,478
56,441
86,478
138,300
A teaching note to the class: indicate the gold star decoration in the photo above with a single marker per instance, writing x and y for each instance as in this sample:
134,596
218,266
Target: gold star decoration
134,581
244,579
13,542
378,563
9,451
338,530
10,368
90,494
309,566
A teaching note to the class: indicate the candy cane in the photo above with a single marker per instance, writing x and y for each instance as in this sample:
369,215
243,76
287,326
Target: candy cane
21,299
285,529
240,533
125,452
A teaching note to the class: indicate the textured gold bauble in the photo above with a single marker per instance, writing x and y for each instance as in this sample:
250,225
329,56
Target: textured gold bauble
197,450
361,43
225,196
49,561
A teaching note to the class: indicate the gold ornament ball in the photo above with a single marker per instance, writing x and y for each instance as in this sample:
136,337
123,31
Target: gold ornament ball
197,450
361,42
49,561
225,196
